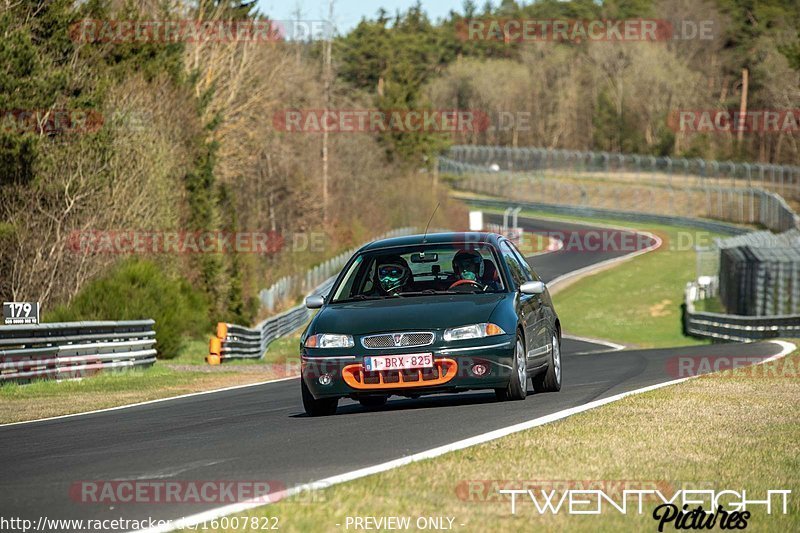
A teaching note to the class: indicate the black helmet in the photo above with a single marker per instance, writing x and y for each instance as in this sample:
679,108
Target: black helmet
393,272
468,264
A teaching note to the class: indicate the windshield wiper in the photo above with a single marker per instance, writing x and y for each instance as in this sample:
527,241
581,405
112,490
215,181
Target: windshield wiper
360,297
428,292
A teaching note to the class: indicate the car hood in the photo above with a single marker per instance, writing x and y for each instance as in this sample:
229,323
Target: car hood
404,314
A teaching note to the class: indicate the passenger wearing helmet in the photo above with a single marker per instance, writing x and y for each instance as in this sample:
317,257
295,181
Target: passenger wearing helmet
393,274
468,268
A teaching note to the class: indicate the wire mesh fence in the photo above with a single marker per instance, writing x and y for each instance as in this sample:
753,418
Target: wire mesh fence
736,192
758,272
674,172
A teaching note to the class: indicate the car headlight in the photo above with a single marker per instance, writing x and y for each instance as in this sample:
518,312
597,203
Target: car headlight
473,331
329,340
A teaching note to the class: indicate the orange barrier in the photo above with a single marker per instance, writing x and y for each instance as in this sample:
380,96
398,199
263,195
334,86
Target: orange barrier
214,356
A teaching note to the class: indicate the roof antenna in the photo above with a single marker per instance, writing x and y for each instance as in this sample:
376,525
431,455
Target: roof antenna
429,222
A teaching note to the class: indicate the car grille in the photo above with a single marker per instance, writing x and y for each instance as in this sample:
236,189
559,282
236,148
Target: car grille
443,371
398,340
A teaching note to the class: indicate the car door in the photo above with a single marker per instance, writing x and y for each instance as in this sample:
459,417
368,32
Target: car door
540,336
526,306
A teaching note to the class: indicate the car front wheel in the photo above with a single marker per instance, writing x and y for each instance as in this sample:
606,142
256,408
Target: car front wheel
550,380
314,407
517,387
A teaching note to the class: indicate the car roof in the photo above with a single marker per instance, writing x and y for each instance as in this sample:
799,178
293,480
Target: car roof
472,237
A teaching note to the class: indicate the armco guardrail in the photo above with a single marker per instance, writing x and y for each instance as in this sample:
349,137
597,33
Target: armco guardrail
239,342
74,349
289,286
736,328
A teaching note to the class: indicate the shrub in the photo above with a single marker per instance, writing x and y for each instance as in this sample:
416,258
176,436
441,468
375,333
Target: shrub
140,289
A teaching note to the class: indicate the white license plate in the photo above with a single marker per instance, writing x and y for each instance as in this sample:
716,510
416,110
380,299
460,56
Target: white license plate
398,362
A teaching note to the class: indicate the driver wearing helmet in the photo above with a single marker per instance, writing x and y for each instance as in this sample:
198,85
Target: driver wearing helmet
468,268
393,274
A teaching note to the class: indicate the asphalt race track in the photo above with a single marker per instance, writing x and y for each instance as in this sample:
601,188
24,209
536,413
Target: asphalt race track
261,433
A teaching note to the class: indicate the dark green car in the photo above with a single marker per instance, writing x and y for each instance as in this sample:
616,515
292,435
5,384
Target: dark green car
428,314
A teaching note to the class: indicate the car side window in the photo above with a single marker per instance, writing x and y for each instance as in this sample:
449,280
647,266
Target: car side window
532,276
517,272
346,290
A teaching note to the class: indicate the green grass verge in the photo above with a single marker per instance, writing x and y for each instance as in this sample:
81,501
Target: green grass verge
284,350
718,432
709,305
194,352
186,373
639,301
46,398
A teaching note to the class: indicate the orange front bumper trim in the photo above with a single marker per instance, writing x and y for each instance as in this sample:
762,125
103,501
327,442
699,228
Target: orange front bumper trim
443,370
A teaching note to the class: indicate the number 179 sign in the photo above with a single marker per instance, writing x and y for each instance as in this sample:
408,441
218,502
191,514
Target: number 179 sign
19,313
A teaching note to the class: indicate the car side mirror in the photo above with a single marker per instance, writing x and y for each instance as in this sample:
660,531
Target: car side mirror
315,301
532,287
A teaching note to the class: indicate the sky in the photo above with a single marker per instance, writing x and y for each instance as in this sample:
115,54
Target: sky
347,13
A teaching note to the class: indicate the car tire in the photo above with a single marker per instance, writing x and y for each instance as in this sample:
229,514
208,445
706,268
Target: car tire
315,407
517,388
550,380
373,402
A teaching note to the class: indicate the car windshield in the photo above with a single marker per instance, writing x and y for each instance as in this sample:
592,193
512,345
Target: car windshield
422,270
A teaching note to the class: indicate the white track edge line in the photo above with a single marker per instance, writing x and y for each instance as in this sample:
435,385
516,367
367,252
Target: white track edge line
557,246
148,402
211,514
597,266
127,406
613,345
